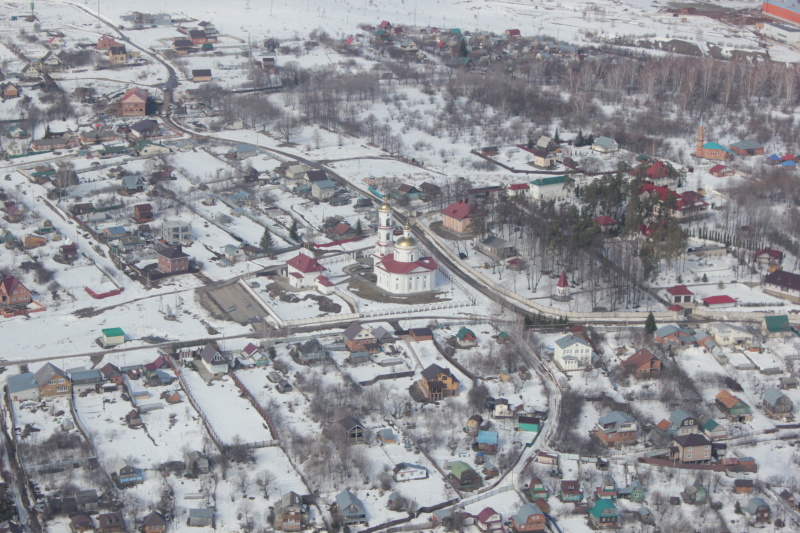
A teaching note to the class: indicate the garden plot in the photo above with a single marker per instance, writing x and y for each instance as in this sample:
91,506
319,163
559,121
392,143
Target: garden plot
167,433
366,371
231,416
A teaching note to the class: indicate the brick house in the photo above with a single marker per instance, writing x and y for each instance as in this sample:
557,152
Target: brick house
172,260
13,292
457,216
9,90
438,383
134,102
616,428
105,42
747,147
643,364
356,337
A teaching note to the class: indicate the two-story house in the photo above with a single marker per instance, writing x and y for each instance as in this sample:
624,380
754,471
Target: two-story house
615,429
438,383
52,381
692,448
572,353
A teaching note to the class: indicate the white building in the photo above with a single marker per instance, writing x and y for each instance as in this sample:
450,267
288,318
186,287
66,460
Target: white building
781,32
409,471
605,145
729,335
303,271
550,188
213,360
398,267
176,232
572,353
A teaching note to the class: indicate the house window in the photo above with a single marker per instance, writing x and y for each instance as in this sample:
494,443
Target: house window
62,389
689,456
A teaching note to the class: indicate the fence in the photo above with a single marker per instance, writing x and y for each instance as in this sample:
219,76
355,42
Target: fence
259,409
211,433
396,375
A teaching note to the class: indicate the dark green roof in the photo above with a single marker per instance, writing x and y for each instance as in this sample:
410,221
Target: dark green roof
552,180
603,505
776,324
463,332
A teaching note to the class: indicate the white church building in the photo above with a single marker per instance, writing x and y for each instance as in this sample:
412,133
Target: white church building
397,265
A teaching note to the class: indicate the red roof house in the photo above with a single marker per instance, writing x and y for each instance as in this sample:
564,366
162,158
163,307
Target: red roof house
303,271
680,294
456,216
13,292
722,300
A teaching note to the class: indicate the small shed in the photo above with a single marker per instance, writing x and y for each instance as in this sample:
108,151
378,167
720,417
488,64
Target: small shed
113,337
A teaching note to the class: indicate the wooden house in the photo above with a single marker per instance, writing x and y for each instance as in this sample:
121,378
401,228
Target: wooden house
643,364
777,404
355,432
734,408
438,383
463,477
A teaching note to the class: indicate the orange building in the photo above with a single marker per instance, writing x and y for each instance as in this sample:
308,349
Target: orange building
711,150
134,102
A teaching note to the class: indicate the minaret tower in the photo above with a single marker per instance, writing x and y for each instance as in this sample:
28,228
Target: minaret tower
699,152
385,244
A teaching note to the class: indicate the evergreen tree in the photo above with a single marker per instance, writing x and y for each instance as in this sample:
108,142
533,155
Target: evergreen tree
650,324
266,240
556,137
359,228
293,234
579,141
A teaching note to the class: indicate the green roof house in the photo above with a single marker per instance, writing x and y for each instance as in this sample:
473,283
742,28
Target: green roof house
604,514
776,326
113,337
463,477
466,338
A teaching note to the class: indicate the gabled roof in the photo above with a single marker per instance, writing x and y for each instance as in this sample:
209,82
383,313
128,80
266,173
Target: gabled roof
639,358
458,210
616,418
47,372
747,144
349,423
486,514
154,519
680,290
693,439
605,220
718,300
352,330
487,437
604,141
782,278
208,353
570,340
463,332
754,504
21,382
434,370
458,468
305,264
776,323
525,512
9,283
772,396
171,253
135,94
772,254
727,399
601,505
346,499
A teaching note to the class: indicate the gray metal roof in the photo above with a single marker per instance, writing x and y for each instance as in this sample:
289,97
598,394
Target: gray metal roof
21,382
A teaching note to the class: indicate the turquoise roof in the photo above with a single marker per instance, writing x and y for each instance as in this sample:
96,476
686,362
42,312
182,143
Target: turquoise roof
717,146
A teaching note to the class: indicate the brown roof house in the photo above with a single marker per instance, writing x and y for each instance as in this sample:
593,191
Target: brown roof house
111,523
438,383
784,285
692,448
734,408
154,523
356,337
172,260
643,364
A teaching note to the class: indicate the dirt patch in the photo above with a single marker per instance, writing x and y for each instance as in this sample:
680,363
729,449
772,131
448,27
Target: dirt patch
212,307
369,291
87,312
152,339
326,305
